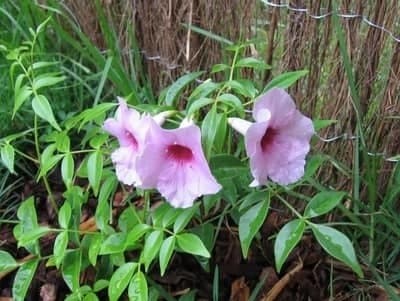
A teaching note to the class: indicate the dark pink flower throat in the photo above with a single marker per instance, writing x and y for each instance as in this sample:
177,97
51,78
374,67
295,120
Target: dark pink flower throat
268,139
179,153
131,139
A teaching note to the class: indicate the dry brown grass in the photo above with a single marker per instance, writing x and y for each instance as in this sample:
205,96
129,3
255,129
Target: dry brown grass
294,41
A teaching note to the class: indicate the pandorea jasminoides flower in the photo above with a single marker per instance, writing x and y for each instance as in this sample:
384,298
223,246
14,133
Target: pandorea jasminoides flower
279,140
173,162
130,128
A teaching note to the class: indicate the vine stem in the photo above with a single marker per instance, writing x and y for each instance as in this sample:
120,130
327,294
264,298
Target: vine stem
45,181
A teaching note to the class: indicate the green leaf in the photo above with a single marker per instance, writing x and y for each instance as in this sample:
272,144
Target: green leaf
136,233
250,222
115,243
27,238
320,124
220,67
128,219
323,202
23,279
42,108
337,245
67,169
209,129
7,156
151,247
203,90
158,214
138,290
242,88
21,95
48,160
208,34
313,163
287,238
46,80
71,269
60,246
192,244
198,104
252,62
176,88
64,215
90,297
120,280
95,170
63,143
253,198
7,262
170,216
166,251
184,218
95,246
285,80
232,101
103,211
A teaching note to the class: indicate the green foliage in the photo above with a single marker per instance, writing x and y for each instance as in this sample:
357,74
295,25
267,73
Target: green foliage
62,129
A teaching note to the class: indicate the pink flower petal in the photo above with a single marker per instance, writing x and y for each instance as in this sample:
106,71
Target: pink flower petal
278,142
173,162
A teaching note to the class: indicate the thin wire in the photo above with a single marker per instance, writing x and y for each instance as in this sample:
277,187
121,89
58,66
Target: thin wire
327,14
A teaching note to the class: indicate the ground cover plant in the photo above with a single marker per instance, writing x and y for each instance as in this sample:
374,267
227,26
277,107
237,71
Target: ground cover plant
207,189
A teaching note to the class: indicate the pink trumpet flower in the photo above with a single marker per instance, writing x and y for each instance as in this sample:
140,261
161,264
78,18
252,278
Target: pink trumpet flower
173,162
130,128
279,139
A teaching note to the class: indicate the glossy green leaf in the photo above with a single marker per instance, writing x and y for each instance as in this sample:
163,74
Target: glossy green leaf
253,198
252,62
115,243
63,142
176,88
184,218
128,219
209,129
323,202
285,80
94,249
7,262
64,215
138,290
198,104
220,67
103,210
90,297
232,101
67,169
203,90
136,233
23,279
120,280
21,95
71,269
46,80
60,246
250,222
95,170
170,216
336,244
151,247
192,244
29,237
321,124
7,156
166,250
286,240
42,108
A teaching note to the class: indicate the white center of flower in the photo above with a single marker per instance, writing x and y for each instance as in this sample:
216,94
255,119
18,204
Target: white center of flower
263,115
